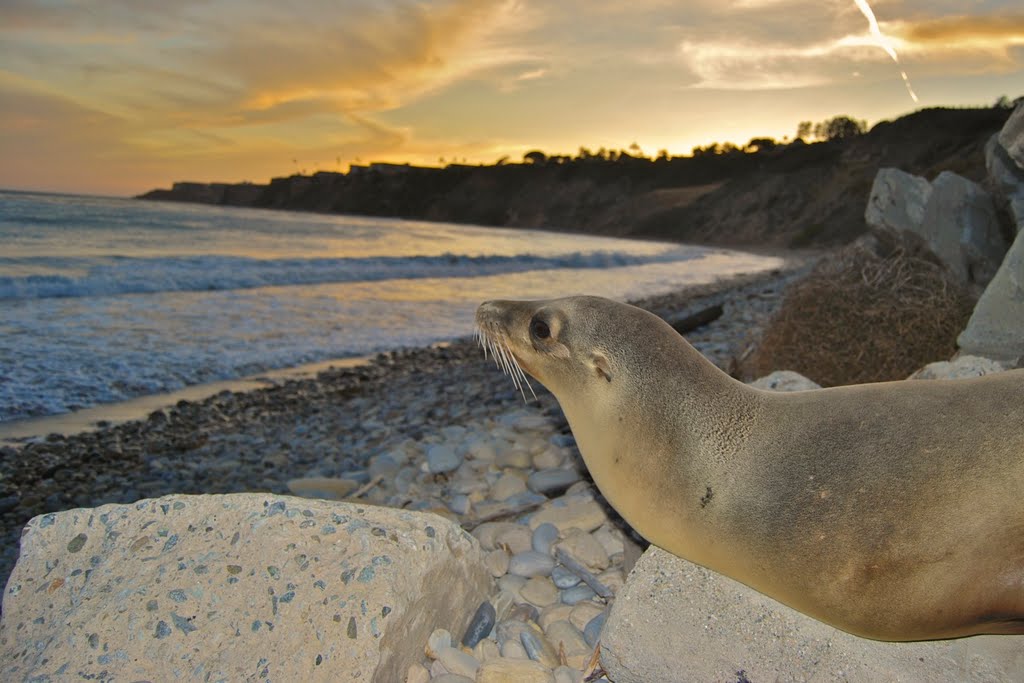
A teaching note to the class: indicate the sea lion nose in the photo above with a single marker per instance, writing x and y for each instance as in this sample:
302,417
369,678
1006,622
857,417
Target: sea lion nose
491,311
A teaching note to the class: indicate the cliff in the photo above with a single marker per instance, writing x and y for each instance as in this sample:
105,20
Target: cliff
795,195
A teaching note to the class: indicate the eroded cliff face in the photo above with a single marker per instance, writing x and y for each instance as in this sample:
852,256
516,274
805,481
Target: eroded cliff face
790,196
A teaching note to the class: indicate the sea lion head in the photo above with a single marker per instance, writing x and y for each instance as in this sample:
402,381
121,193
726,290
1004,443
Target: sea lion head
575,345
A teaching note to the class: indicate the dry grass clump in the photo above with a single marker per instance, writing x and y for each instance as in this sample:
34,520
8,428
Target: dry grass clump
864,317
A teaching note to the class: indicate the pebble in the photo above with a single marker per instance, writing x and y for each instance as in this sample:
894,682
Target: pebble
592,631
569,637
438,640
458,662
442,458
544,536
508,485
512,649
417,673
586,549
437,669
326,488
486,532
565,674
480,625
577,594
459,504
512,584
514,458
540,591
563,578
516,540
582,613
486,649
548,458
539,649
554,613
610,540
497,562
580,514
530,563
452,678
514,670
552,481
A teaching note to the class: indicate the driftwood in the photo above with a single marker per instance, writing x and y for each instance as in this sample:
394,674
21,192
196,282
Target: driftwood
698,319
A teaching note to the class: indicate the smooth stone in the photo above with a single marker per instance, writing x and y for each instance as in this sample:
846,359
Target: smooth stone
451,678
592,631
539,649
613,579
497,562
480,625
963,367
459,504
516,540
458,662
437,669
540,591
510,670
579,514
513,649
582,613
508,485
513,584
548,458
417,673
553,613
439,639
563,440
510,630
784,380
563,578
486,533
483,450
552,481
577,594
442,458
585,549
610,540
514,458
383,466
544,537
531,422
566,674
564,634
503,603
485,650
530,563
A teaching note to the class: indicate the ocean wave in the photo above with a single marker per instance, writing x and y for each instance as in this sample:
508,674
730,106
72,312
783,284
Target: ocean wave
117,276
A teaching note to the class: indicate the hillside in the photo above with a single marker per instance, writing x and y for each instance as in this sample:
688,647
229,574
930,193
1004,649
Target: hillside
796,195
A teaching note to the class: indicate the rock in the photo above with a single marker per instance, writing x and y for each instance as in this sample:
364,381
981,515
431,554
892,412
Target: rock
553,613
563,578
962,228
1007,182
539,648
479,626
438,640
579,514
417,674
497,562
552,481
586,549
540,591
544,536
996,327
530,563
675,616
507,670
961,367
564,636
548,458
896,203
508,485
513,649
458,662
594,628
514,458
516,539
442,458
182,573
326,488
1011,137
582,614
577,594
784,380
452,678
488,531
565,674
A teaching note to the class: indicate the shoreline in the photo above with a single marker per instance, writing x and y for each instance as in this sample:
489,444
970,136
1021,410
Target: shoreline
330,425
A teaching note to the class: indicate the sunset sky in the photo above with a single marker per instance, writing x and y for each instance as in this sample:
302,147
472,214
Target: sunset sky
120,96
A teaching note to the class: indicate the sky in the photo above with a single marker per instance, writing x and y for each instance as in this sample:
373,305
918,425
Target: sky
117,97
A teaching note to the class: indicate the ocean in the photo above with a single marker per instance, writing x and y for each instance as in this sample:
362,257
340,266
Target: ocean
103,300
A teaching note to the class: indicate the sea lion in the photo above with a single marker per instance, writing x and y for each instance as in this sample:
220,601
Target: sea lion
893,511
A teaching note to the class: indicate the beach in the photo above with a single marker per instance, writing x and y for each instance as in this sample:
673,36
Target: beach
339,426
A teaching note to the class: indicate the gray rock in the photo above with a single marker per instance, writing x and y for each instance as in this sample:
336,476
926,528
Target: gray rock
962,367
1007,182
442,458
1011,137
530,563
180,573
699,617
480,625
577,594
563,578
784,380
592,631
552,481
962,228
996,327
544,537
896,203
458,662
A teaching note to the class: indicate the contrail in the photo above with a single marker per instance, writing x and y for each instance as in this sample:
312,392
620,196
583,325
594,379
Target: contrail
884,43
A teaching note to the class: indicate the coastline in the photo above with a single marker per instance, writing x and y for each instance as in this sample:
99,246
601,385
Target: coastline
327,425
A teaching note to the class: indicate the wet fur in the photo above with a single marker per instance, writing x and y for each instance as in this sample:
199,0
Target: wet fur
892,510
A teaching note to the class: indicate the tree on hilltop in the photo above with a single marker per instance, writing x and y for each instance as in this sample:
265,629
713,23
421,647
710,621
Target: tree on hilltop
535,157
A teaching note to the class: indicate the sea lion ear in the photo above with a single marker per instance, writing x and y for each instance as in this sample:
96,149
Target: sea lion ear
601,365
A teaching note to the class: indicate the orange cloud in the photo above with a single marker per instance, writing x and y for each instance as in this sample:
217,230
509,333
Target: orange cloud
950,31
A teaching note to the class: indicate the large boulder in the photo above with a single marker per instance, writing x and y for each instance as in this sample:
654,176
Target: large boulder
996,327
1011,137
962,228
234,587
1007,182
897,202
674,620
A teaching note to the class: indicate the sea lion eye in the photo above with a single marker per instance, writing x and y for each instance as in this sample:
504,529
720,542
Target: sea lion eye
540,329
